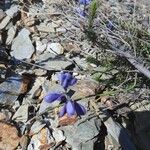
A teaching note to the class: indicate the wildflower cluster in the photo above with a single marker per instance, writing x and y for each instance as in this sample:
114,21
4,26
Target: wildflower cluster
70,107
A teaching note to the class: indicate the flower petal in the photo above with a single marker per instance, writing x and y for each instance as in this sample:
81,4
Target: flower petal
70,108
68,76
51,97
73,81
62,111
61,77
66,81
79,109
65,84
84,2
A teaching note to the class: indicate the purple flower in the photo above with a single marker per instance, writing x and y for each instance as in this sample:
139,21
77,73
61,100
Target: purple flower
72,108
66,80
51,97
84,2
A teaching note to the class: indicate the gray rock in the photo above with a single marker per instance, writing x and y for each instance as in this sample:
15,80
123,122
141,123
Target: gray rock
36,127
2,14
50,62
12,11
61,30
11,34
40,72
40,47
82,135
4,22
81,62
58,135
10,89
22,47
44,105
52,87
21,115
36,87
47,29
55,48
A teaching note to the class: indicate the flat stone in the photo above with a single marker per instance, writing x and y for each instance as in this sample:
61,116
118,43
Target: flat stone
36,89
12,11
10,89
58,135
52,87
2,14
83,131
61,30
51,62
22,47
55,48
36,127
10,35
44,105
40,47
40,72
4,22
81,62
21,115
47,29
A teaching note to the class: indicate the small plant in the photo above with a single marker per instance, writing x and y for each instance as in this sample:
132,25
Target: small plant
92,14
70,107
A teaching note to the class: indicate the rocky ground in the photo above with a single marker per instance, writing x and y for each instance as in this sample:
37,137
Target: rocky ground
105,44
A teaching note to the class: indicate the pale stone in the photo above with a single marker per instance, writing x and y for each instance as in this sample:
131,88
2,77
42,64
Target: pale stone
55,48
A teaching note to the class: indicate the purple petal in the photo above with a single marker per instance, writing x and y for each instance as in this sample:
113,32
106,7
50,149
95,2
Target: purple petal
51,97
80,109
70,108
84,2
65,84
73,81
68,76
62,111
66,81
61,77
